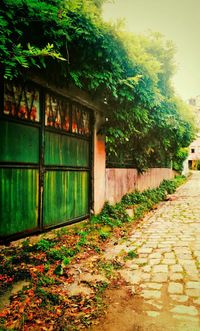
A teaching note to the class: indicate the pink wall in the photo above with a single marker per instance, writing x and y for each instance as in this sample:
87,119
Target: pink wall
111,184
99,172
122,181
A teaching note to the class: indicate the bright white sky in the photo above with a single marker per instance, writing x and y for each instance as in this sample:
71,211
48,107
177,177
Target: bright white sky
177,20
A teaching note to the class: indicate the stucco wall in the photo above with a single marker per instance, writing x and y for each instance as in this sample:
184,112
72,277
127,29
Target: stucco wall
122,181
99,172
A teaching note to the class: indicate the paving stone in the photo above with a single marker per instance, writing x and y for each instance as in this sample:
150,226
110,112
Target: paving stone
144,250
188,310
154,303
160,268
154,261
169,256
165,250
132,266
179,298
154,286
141,261
175,288
133,277
151,294
145,276
169,261
141,256
176,276
151,244
193,292
192,272
193,285
184,255
176,268
146,268
153,313
165,247
159,277
186,262
155,256
188,318
197,301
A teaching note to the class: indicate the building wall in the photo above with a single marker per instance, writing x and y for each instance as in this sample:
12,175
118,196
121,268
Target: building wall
99,174
194,153
122,181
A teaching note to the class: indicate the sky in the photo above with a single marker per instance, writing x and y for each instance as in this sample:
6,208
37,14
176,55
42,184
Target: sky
177,20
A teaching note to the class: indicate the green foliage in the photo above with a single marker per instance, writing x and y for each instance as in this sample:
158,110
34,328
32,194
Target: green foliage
180,156
44,245
68,43
104,235
61,254
198,165
131,255
58,270
107,267
45,280
111,215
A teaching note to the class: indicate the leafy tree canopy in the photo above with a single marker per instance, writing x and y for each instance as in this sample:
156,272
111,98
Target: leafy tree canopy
68,42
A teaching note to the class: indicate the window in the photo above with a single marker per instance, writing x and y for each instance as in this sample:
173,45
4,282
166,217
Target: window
57,114
60,113
192,150
21,102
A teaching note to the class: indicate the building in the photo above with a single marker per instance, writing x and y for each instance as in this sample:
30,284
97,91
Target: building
194,148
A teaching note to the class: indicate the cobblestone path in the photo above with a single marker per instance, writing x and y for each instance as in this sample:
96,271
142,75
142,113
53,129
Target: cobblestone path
165,276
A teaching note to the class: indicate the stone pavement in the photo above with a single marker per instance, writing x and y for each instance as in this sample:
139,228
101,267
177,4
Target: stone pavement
165,276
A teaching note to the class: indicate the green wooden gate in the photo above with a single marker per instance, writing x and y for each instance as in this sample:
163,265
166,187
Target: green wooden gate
45,160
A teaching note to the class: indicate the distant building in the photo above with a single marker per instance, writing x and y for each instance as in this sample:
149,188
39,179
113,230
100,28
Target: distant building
194,148
194,154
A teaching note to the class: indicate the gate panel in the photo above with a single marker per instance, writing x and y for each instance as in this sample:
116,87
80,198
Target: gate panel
45,160
19,143
18,200
63,150
65,196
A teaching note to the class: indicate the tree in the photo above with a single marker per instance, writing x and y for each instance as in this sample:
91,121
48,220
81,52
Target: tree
68,42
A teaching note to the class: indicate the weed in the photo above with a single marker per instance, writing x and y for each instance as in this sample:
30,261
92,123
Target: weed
66,261
44,245
45,280
104,235
131,255
107,267
61,232
60,254
46,266
27,246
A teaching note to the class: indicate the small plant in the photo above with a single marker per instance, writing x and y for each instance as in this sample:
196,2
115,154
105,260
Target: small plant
104,235
61,232
44,245
58,270
61,253
45,281
131,255
107,267
66,261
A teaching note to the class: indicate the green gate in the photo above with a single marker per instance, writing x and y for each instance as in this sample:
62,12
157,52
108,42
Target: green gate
45,160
